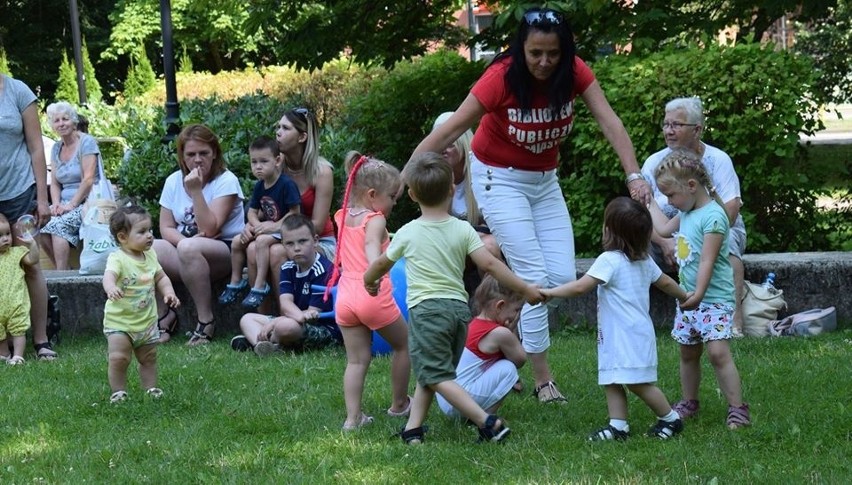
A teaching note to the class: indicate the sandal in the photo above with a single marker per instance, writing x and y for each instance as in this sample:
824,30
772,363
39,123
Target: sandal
413,436
665,429
401,414
44,351
609,433
255,297
687,408
118,396
15,360
738,416
548,392
364,421
232,292
171,328
199,336
495,429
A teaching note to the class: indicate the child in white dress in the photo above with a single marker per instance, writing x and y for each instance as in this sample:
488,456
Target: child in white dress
627,344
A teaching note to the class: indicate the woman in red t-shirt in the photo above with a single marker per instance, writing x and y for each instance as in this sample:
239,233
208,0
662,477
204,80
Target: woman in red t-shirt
298,139
524,103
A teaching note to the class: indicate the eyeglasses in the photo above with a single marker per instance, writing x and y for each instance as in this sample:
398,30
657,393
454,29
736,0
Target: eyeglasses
675,125
543,17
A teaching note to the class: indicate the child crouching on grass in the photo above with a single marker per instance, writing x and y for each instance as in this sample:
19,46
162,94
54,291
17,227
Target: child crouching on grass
627,344
130,313
14,299
435,247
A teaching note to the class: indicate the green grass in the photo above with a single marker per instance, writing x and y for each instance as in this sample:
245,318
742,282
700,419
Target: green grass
234,418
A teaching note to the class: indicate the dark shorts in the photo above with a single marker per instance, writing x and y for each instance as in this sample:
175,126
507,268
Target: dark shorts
320,336
436,336
20,205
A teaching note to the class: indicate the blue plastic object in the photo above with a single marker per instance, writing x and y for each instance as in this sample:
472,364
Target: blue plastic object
400,288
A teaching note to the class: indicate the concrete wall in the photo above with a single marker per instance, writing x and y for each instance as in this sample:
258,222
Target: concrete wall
809,280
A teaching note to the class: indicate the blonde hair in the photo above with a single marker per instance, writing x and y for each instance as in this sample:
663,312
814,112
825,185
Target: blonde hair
304,121
681,165
364,173
462,145
490,290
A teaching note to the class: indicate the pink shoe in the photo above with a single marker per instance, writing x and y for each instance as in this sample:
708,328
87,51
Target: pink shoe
401,414
687,408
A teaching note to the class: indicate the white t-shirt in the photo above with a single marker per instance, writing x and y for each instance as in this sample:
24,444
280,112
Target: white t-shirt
176,199
627,344
458,208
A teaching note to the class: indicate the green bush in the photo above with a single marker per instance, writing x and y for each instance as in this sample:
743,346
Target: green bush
756,102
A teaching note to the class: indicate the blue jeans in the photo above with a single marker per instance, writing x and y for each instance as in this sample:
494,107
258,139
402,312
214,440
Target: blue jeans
526,213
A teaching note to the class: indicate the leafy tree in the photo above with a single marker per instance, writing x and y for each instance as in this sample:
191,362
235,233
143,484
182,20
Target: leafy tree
93,87
829,42
4,63
66,84
184,62
140,76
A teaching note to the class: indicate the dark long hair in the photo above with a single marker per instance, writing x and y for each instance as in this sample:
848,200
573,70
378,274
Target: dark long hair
518,77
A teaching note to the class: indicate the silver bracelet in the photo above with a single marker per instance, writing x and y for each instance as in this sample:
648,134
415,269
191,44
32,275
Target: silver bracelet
633,177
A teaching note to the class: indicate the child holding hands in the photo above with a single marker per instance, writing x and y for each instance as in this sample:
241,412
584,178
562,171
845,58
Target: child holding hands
14,299
435,246
627,344
701,250
371,192
275,197
130,314
492,355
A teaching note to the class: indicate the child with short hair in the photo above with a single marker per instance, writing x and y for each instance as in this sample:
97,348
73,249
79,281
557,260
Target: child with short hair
435,246
275,197
489,363
371,192
299,326
14,299
701,249
627,343
130,314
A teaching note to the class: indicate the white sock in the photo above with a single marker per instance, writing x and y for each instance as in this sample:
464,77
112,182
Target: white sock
671,417
620,424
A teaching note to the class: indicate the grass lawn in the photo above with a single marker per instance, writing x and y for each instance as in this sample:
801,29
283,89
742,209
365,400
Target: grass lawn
230,417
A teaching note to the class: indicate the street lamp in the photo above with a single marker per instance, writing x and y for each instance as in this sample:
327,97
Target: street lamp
172,119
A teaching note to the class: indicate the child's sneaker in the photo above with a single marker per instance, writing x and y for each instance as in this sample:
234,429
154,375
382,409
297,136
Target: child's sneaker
255,297
665,429
154,392
265,348
686,408
609,433
240,343
738,417
118,396
232,292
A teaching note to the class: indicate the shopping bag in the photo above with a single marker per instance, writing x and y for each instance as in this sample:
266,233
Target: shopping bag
94,231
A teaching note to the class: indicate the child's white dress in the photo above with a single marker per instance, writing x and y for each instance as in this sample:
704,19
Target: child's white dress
627,344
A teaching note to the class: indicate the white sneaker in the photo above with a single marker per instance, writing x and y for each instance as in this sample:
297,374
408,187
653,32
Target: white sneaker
265,348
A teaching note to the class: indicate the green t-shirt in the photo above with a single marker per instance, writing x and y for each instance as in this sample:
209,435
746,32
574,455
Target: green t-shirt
137,309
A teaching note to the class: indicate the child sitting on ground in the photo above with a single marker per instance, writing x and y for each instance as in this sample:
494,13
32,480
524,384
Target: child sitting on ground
14,299
701,250
489,363
130,314
371,193
627,343
435,246
299,326
275,197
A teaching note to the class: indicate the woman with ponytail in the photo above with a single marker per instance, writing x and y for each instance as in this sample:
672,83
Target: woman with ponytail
372,190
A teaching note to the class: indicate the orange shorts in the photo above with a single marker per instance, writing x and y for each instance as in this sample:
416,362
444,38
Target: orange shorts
354,306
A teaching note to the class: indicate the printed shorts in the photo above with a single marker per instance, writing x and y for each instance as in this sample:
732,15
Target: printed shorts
710,321
149,336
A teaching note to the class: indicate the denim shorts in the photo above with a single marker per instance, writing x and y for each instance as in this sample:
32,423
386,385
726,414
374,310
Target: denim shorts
20,205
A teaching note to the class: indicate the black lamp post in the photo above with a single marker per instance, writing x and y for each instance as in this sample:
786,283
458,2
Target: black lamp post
172,120
78,51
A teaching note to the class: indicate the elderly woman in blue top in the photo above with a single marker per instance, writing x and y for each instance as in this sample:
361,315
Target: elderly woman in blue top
74,160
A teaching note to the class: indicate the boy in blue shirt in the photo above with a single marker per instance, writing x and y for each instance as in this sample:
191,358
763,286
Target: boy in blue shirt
275,197
299,326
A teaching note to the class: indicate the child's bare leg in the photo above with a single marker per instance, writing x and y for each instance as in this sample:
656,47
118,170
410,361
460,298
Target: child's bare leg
651,395
4,348
616,401
119,350
396,334
262,245
690,370
251,324
238,260
719,353
19,344
419,407
287,332
357,343
147,357
461,400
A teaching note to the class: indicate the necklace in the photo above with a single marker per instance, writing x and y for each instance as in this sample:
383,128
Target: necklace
356,213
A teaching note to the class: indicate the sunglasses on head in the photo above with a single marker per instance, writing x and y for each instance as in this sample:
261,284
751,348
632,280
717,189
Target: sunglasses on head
543,17
303,112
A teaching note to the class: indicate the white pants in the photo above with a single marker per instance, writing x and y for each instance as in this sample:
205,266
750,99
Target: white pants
526,213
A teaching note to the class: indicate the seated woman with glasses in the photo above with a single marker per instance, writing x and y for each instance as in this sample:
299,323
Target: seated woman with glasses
201,211
682,127
524,103
298,140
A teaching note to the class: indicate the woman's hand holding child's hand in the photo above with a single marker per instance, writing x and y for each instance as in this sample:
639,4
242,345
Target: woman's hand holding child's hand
534,295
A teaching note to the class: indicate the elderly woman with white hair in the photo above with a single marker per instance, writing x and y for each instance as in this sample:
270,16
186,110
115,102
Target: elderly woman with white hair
74,161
